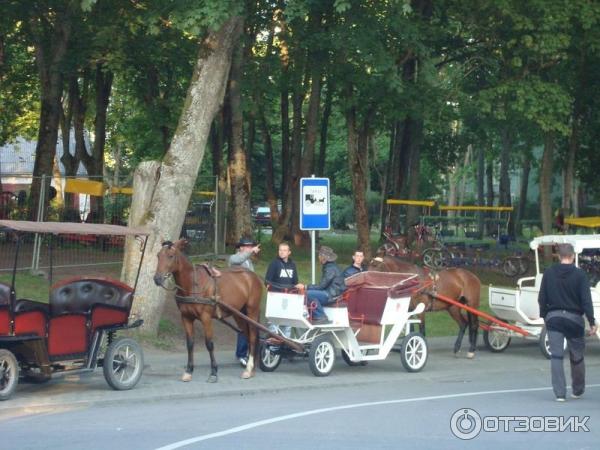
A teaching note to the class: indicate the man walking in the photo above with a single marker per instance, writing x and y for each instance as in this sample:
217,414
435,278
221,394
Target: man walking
564,298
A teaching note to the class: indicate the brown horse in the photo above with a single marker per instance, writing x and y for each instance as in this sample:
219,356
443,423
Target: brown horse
458,284
386,263
463,286
196,290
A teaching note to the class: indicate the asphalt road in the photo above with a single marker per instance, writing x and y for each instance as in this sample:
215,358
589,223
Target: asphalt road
385,408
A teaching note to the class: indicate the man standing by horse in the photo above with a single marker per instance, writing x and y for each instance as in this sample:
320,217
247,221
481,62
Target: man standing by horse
564,298
243,258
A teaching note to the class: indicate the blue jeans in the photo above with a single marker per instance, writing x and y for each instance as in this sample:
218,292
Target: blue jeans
241,348
321,298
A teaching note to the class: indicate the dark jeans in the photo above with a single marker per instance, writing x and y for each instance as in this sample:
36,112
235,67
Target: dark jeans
241,348
321,298
570,326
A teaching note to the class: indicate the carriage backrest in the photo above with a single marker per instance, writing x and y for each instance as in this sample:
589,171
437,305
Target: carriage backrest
4,294
80,295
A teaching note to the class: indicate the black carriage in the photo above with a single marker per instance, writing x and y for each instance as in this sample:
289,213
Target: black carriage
74,330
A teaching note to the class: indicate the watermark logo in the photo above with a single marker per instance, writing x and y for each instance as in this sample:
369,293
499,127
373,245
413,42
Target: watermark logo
466,424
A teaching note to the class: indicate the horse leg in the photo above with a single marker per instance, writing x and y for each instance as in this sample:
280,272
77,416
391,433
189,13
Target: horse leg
252,334
473,331
462,326
188,326
208,336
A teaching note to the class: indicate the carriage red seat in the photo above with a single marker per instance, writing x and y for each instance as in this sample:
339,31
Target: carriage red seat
4,302
79,306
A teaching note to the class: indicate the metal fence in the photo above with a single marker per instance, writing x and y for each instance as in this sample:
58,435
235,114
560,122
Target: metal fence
92,200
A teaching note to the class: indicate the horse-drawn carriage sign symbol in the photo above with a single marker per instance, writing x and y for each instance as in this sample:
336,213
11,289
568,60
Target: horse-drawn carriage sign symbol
314,201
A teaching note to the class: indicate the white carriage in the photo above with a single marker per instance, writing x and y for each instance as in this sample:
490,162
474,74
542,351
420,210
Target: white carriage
366,323
520,306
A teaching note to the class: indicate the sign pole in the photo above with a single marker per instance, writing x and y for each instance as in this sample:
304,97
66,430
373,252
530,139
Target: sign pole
313,251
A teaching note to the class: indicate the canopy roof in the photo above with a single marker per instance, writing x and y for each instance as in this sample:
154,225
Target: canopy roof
589,222
73,228
579,241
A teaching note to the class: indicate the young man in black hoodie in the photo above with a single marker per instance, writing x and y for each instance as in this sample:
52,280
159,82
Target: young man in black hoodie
282,273
564,298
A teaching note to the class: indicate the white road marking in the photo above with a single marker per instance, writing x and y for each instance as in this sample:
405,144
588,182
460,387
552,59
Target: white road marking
260,423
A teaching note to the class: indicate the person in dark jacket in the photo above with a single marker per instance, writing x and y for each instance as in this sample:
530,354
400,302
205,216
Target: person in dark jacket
564,298
331,285
357,264
245,249
282,273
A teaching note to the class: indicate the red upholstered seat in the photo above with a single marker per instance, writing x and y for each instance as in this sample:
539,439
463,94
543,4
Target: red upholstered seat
31,322
67,334
366,304
4,320
105,315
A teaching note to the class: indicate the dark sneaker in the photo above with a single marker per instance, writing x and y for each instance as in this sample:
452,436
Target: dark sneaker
321,321
243,361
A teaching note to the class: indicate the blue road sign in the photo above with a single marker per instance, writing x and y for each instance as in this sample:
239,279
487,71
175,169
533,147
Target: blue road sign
314,204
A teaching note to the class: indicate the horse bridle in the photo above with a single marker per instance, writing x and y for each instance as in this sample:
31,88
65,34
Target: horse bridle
195,296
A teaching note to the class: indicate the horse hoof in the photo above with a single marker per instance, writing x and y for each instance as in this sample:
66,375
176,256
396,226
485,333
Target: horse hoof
212,379
186,377
470,355
246,375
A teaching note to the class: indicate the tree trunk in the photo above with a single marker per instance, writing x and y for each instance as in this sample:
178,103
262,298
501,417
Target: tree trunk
240,224
171,192
359,171
546,186
480,189
300,237
414,173
568,197
489,175
504,188
320,170
270,167
312,125
50,51
523,194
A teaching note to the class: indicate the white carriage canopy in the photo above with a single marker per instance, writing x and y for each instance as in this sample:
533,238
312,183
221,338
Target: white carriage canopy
579,242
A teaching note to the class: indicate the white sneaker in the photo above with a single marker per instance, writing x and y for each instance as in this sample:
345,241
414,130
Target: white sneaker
560,399
575,396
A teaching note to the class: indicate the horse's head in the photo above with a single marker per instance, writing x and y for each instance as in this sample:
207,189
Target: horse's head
169,260
377,264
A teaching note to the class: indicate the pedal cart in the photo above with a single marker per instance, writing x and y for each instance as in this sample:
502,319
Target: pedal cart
73,331
366,323
520,306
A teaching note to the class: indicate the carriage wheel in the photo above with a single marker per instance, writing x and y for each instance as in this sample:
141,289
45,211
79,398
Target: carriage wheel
123,364
511,267
496,340
269,360
432,258
544,343
414,352
523,265
9,374
351,363
321,356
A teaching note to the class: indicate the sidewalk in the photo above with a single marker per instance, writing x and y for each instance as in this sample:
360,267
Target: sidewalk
162,376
